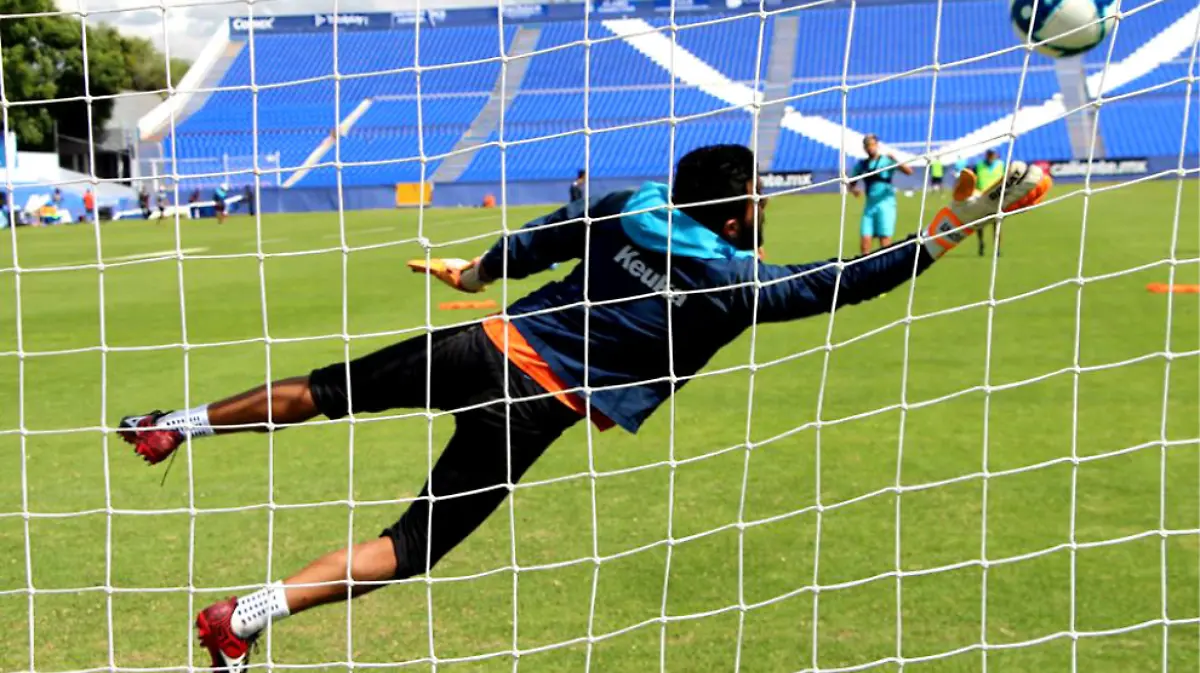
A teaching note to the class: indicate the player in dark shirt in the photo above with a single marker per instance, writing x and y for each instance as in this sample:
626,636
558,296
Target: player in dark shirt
144,202
576,191
514,386
219,195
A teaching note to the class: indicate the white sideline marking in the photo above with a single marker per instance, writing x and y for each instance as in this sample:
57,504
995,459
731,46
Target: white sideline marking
352,232
165,254
325,145
160,253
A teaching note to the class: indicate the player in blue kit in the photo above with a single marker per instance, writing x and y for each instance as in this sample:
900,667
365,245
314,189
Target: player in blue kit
879,213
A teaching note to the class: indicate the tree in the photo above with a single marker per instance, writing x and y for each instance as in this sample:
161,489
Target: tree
46,83
106,75
147,66
30,69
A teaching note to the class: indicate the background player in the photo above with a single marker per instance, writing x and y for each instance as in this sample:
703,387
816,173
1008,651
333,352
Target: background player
219,195
960,165
988,170
711,294
879,212
937,172
576,191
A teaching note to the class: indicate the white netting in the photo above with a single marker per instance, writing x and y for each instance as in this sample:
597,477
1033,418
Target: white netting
802,602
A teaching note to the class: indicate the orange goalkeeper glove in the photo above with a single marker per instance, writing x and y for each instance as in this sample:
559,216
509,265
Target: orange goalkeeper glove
1024,186
459,274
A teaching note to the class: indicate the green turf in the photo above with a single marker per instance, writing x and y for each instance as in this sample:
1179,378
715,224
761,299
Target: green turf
823,493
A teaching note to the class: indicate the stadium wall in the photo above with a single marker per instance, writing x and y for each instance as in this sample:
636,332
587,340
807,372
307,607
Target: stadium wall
523,193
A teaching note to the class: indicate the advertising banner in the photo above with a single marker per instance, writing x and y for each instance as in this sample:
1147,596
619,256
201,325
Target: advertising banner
786,180
413,194
342,21
1078,168
241,26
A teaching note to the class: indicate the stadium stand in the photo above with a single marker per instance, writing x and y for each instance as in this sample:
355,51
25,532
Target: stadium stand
627,130
1142,22
299,102
643,151
1152,127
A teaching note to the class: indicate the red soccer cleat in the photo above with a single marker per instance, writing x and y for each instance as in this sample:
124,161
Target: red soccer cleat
152,443
229,652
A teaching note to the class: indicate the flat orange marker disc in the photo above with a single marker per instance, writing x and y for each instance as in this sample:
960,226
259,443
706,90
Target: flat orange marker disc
466,305
1163,288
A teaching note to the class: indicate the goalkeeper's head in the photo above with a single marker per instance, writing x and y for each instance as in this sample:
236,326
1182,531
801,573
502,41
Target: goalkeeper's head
723,173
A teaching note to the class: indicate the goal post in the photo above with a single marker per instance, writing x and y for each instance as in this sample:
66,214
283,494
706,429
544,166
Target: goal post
996,464
210,172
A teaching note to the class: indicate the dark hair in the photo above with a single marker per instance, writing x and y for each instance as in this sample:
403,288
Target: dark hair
713,172
991,153
582,172
869,137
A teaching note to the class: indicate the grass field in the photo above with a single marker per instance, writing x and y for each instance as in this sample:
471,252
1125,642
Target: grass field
820,505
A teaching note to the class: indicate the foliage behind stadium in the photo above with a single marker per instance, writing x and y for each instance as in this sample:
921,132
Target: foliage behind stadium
43,61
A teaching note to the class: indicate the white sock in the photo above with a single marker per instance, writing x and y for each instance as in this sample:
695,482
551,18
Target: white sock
255,611
197,418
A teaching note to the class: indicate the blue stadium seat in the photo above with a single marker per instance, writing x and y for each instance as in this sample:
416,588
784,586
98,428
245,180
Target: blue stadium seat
916,91
731,44
899,38
1168,72
911,129
613,62
394,155
1138,26
299,100
640,152
609,108
1148,126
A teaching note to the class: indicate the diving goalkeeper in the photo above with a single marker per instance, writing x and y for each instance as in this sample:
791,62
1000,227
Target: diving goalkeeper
710,294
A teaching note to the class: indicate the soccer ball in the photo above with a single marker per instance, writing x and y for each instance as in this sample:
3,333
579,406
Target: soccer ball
1082,24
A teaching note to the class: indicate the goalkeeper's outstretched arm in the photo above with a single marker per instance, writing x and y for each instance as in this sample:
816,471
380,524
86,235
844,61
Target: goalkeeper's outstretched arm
789,292
551,239
794,291
537,246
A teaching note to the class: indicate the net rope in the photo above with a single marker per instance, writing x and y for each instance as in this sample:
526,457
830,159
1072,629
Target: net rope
816,587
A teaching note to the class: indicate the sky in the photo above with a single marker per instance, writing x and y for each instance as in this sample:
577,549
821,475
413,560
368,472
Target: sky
187,24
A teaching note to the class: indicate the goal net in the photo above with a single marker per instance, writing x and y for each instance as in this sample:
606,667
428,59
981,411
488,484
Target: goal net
994,465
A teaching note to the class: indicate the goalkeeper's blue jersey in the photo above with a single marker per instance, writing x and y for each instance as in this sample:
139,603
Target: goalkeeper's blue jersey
622,294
